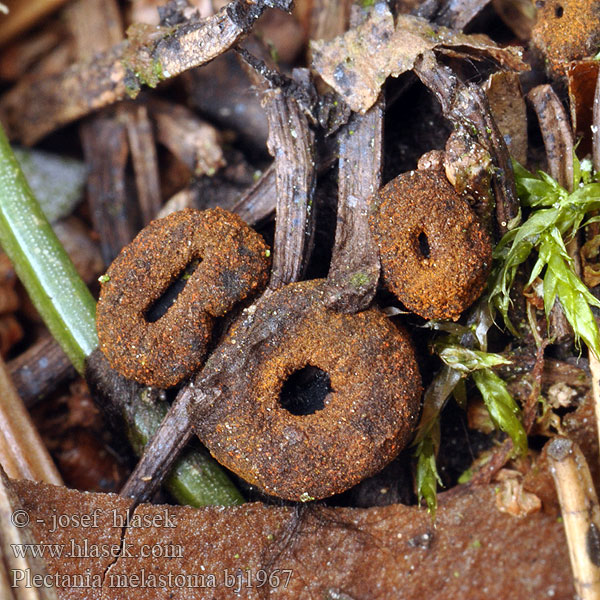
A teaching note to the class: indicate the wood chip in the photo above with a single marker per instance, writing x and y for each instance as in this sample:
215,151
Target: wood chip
193,141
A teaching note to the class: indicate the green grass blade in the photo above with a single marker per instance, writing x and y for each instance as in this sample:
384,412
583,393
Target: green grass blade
43,266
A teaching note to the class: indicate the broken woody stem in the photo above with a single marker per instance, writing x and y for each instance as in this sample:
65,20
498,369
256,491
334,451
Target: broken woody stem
148,56
68,309
580,513
22,452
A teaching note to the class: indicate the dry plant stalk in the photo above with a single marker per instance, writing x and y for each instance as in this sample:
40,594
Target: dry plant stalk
39,370
354,269
14,531
22,452
580,513
23,15
557,133
150,55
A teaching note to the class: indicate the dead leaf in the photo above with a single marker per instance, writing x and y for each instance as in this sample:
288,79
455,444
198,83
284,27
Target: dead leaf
511,498
289,552
357,63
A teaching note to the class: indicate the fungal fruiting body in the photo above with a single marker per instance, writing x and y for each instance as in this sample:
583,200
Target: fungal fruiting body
435,253
233,265
366,417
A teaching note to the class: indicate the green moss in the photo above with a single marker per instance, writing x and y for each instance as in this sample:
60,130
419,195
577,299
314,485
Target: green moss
139,58
359,279
132,86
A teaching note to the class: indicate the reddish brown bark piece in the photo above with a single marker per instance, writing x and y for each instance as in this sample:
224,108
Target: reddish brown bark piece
354,428
582,76
435,254
234,265
474,551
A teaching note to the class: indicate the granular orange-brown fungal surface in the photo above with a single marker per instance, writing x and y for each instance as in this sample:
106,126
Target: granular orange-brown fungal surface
233,265
366,418
435,254
566,30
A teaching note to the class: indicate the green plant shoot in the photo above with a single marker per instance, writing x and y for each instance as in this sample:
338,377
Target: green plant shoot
555,215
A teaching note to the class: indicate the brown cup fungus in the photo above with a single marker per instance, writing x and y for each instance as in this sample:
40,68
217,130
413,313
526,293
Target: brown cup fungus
435,254
233,264
566,30
320,400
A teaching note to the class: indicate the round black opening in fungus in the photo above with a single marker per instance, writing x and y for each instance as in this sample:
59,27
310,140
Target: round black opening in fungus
424,245
305,390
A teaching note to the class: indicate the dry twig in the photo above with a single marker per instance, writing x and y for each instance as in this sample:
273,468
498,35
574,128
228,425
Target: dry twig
40,369
147,57
22,452
580,512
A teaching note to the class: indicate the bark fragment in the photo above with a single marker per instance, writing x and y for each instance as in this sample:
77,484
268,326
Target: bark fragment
195,142
503,91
